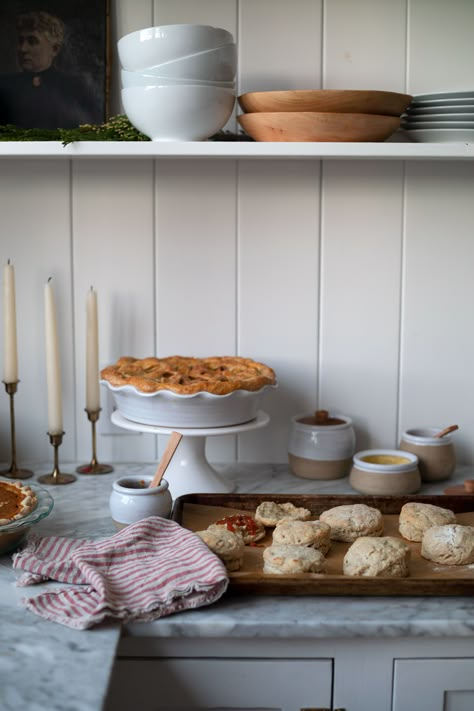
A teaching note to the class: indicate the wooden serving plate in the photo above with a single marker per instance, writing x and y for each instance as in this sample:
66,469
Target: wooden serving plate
197,511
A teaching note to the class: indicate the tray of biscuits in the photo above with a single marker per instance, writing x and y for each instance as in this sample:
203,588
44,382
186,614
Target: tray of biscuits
337,544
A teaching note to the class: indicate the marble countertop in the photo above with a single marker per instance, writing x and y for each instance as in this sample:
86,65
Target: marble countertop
64,668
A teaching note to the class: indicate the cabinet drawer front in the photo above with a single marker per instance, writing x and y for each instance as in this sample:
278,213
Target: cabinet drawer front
264,684
447,684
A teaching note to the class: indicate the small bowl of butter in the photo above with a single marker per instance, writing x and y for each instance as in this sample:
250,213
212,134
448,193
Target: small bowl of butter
389,472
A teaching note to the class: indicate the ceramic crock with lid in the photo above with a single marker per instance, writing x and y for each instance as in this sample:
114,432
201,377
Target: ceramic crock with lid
437,457
389,472
321,445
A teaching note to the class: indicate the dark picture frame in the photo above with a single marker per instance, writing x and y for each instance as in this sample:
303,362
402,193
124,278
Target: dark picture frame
54,63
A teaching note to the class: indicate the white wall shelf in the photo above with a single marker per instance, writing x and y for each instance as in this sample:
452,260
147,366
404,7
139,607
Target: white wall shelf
237,150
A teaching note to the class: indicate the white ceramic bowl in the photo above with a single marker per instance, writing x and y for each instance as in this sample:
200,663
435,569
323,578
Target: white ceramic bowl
168,409
142,79
164,43
218,64
178,113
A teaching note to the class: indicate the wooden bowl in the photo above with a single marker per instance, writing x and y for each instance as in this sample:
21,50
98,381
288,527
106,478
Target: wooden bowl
319,127
386,103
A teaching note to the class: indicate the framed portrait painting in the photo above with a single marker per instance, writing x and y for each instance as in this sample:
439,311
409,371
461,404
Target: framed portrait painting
54,58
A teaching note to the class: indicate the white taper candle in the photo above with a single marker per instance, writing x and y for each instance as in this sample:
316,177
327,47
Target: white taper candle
53,368
92,353
10,354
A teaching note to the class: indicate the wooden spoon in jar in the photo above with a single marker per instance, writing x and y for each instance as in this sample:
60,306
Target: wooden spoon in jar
447,430
174,440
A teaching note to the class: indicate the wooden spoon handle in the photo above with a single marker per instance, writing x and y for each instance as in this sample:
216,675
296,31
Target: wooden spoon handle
447,430
174,440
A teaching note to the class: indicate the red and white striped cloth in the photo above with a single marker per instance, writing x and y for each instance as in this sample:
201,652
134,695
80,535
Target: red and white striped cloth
148,570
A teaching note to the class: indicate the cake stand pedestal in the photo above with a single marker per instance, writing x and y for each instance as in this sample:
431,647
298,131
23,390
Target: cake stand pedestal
189,472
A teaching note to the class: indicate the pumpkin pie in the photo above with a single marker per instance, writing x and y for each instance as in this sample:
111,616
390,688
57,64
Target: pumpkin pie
16,501
184,375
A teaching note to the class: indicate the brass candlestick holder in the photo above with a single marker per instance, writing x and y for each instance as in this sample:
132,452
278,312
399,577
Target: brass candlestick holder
56,476
94,467
13,472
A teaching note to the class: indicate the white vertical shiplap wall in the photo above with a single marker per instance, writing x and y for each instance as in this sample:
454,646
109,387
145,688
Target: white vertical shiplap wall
351,278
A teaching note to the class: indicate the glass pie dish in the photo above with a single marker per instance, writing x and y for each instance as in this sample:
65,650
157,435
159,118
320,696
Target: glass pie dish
12,534
165,408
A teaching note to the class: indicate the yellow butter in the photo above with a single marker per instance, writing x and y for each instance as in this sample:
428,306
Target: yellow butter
385,459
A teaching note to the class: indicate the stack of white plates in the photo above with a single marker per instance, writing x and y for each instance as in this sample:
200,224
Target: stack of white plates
440,117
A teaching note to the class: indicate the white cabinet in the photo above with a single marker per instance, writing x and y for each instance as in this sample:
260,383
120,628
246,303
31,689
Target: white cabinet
213,683
433,684
324,674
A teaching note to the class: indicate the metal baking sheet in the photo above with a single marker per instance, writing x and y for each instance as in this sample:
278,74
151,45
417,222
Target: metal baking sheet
197,511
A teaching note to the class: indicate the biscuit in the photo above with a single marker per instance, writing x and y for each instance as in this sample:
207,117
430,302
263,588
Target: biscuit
451,544
243,524
314,534
290,560
228,546
350,521
416,518
382,557
269,513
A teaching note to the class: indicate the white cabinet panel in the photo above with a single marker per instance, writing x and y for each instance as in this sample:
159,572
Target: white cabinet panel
283,685
440,47
278,291
433,684
360,296
438,293
364,44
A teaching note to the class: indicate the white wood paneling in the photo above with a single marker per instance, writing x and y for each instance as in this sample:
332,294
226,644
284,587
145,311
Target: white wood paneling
437,386
219,13
35,236
360,296
440,46
114,251
278,291
196,265
126,17
279,45
364,44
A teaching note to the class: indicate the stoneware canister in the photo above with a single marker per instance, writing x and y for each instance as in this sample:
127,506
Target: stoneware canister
436,455
132,499
321,445
388,472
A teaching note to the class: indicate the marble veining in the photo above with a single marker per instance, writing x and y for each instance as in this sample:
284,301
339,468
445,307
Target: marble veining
70,669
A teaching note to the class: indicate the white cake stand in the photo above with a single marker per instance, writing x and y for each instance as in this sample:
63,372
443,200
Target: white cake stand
189,472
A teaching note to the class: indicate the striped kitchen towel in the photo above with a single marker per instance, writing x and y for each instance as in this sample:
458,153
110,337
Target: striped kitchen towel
148,570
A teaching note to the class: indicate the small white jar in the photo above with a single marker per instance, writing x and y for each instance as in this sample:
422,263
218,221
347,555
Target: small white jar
132,500
321,451
436,455
385,472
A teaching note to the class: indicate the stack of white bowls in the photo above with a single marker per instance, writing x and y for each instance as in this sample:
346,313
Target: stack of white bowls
178,81
440,117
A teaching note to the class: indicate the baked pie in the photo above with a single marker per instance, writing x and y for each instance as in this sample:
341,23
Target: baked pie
183,375
16,501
